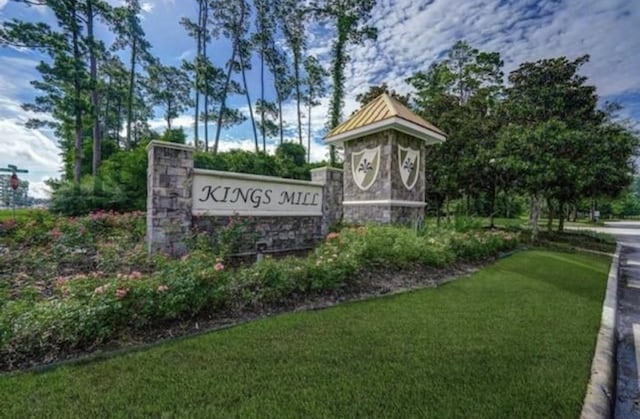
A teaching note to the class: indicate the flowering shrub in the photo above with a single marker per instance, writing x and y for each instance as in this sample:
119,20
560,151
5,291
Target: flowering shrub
90,281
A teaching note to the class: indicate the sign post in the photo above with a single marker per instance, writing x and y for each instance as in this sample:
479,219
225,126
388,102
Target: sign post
15,183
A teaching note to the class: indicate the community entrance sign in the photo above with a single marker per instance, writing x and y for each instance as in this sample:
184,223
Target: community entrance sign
383,181
227,193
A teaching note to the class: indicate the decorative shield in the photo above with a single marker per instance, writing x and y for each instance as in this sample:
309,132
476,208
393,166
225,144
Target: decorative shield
409,161
364,166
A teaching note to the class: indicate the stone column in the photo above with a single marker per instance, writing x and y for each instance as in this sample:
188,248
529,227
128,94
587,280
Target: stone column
169,197
332,195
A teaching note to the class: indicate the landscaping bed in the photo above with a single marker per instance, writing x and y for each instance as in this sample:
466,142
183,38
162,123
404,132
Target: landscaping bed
514,339
71,286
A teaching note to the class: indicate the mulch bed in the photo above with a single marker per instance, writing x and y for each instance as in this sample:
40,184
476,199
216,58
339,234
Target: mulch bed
375,282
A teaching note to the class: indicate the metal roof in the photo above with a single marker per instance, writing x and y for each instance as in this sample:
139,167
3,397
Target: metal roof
381,109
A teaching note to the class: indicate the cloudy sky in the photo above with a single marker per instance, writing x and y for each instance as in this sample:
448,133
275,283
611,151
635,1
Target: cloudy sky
412,35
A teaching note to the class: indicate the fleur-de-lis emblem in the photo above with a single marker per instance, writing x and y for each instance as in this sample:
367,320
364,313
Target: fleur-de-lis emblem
408,165
365,166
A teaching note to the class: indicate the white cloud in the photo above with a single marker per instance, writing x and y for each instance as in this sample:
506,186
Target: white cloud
411,35
3,3
147,6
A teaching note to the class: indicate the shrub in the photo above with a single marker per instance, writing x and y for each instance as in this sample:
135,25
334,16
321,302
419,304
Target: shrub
121,291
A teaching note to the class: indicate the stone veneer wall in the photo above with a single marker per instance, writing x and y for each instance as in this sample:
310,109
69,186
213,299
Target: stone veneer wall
169,202
170,221
388,185
276,234
332,210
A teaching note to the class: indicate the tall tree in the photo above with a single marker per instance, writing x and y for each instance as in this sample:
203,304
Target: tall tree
460,95
232,17
262,39
169,87
130,34
350,19
64,83
267,124
377,90
552,109
194,30
277,64
293,15
316,88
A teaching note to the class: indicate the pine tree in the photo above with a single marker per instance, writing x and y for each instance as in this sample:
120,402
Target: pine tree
316,88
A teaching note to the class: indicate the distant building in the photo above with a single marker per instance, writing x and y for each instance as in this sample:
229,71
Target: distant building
7,194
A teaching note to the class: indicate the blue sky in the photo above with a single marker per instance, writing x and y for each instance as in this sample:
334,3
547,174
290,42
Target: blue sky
412,34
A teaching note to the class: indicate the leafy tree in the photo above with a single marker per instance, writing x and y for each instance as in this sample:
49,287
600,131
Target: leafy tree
350,18
65,79
195,30
460,95
267,124
129,34
232,16
170,88
277,63
560,145
375,91
316,88
262,40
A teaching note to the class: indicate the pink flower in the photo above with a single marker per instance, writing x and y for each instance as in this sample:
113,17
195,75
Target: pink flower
135,275
332,236
61,280
101,289
122,292
162,288
218,266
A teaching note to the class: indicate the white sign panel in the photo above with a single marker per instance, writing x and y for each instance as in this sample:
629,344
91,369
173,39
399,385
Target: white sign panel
228,193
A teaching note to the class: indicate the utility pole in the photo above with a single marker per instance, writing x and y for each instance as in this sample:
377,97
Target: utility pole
15,182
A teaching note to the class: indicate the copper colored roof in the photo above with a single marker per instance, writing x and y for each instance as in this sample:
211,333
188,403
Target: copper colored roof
381,108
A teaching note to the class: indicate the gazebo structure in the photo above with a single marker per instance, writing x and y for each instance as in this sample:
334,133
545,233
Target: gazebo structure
384,156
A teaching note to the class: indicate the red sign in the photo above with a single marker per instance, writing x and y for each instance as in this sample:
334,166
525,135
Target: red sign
15,182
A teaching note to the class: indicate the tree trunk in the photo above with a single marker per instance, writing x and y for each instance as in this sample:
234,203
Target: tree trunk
535,217
561,216
196,135
132,79
446,208
550,215
309,133
118,122
97,141
223,101
246,91
280,116
338,86
296,69
264,134
77,86
206,80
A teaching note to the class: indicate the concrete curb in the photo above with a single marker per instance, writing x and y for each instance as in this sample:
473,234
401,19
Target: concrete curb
598,401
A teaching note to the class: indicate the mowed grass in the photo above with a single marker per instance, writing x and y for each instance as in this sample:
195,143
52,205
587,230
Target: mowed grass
514,340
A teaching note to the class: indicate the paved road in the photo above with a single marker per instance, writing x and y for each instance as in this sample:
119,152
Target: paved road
628,322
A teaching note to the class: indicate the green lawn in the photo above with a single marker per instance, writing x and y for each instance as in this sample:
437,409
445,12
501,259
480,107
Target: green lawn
514,340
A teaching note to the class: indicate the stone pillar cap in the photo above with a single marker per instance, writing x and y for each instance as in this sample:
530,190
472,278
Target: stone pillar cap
385,112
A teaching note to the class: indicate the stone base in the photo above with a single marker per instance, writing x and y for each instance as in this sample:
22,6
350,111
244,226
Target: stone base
383,214
271,234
